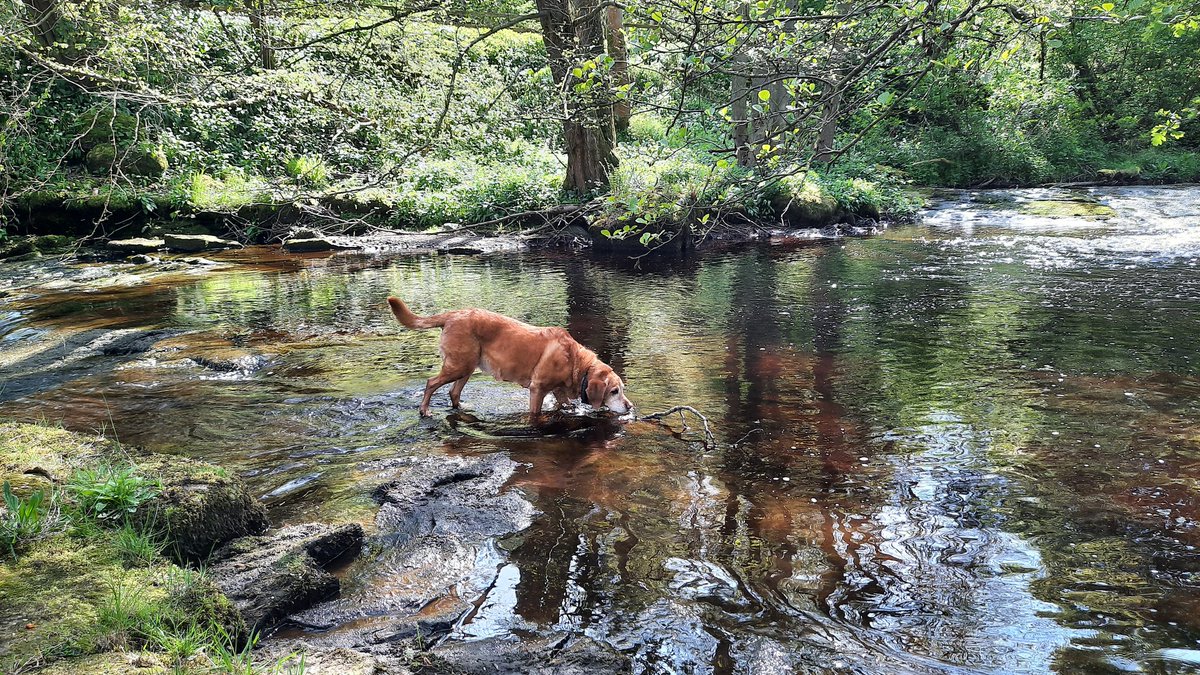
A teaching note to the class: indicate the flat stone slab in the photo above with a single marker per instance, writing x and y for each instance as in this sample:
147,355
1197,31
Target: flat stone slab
193,243
314,244
269,577
136,245
439,516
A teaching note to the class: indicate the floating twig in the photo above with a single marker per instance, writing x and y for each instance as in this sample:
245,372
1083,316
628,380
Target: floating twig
710,441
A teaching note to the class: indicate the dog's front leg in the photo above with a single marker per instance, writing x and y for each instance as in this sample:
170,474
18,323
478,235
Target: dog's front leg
561,398
537,396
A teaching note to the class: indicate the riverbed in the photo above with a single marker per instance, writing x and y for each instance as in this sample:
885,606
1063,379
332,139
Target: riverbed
969,444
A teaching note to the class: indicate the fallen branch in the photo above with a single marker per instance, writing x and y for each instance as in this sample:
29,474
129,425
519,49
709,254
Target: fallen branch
710,441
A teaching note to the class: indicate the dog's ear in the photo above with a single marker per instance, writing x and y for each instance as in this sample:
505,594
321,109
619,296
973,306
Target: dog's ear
596,389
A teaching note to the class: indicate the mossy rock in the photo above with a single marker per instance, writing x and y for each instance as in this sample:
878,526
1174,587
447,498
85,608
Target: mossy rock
49,243
11,247
809,208
1067,208
1120,175
199,507
270,577
143,159
105,126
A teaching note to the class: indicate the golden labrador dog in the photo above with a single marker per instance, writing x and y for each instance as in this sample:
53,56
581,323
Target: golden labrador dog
543,360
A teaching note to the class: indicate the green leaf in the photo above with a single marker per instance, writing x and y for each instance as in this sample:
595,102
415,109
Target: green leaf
764,95
577,72
656,16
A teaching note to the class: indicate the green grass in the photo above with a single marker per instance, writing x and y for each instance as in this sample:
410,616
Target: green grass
136,548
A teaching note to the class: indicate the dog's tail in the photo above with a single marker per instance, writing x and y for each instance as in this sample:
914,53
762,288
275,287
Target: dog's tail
405,316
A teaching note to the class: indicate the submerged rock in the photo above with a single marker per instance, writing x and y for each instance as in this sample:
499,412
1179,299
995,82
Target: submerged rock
199,507
193,243
270,577
1067,208
553,654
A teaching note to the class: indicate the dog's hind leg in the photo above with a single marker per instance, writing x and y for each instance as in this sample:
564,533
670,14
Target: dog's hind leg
437,382
456,391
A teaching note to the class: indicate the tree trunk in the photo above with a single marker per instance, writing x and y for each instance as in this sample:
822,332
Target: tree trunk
740,82
740,111
44,16
829,118
573,32
258,25
832,109
615,29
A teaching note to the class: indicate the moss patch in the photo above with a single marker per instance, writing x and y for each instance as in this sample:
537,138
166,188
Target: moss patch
75,593
71,596
49,453
111,663
1067,208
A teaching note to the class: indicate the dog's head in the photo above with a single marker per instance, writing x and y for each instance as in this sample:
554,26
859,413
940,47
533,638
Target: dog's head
604,388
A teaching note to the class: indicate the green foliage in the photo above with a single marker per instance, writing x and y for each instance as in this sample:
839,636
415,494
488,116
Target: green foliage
25,519
308,170
459,190
110,492
226,193
198,123
647,128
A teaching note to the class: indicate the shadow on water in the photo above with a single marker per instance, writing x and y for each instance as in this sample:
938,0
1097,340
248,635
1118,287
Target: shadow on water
968,445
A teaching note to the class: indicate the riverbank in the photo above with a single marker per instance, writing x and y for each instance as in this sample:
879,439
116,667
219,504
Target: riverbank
644,214
114,560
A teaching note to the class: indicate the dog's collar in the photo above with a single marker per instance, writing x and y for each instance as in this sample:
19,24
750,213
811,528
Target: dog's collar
583,384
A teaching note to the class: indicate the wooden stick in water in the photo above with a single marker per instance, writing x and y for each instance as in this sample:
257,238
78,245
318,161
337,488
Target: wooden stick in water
710,441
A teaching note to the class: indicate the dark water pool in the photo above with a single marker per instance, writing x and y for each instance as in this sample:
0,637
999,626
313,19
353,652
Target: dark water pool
971,444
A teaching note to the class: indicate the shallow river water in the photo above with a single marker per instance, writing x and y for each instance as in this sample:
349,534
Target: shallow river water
966,445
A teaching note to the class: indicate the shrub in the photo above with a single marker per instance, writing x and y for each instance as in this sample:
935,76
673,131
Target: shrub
230,191
647,128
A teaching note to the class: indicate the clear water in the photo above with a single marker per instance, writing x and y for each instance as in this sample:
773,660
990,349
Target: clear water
971,444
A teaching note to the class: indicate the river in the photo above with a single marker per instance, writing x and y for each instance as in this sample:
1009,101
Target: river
971,444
